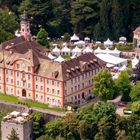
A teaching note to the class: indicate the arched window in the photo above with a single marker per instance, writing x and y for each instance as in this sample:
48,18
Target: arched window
23,93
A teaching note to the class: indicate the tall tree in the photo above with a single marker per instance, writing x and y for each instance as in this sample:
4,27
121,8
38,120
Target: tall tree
135,92
54,129
123,85
38,128
42,38
8,25
133,127
102,109
13,135
84,16
104,85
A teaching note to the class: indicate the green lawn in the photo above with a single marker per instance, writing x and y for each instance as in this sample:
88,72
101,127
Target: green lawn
13,99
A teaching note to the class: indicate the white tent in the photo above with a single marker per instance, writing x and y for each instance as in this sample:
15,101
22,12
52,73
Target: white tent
59,59
115,52
77,51
74,56
74,38
99,50
112,59
123,68
51,56
87,39
65,51
80,43
135,61
108,65
107,50
108,43
98,42
87,49
56,51
122,40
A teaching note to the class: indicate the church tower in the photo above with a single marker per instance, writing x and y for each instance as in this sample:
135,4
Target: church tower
25,26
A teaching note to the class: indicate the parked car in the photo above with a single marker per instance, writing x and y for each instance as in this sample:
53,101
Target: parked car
127,111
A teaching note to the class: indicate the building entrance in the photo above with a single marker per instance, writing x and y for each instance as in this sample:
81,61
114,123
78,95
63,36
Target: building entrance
23,93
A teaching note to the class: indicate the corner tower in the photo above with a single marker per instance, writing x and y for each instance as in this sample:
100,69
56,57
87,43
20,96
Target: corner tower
25,26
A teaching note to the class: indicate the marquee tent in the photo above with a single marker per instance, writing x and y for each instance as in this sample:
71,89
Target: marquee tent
77,51
80,43
87,49
56,51
116,61
59,59
135,61
51,56
108,43
65,51
74,38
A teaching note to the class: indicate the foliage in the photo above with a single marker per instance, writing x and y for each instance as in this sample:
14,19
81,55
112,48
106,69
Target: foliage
29,103
84,13
123,85
38,128
8,25
66,37
42,38
124,47
135,92
102,109
133,127
135,106
104,85
70,127
54,129
13,135
44,137
98,19
106,129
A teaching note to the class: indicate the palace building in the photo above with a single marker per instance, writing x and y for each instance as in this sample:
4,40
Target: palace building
27,72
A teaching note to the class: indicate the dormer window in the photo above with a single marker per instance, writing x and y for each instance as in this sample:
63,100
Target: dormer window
55,74
72,69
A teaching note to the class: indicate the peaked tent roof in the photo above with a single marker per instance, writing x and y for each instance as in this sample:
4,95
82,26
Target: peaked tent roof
51,56
122,38
56,49
87,39
65,49
108,42
80,42
99,50
76,49
59,59
87,49
74,38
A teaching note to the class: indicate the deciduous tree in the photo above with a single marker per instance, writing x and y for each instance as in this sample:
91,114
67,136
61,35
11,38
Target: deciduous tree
135,92
123,85
104,85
